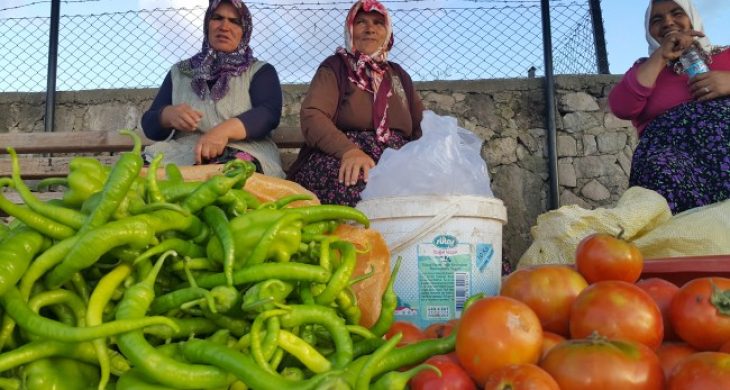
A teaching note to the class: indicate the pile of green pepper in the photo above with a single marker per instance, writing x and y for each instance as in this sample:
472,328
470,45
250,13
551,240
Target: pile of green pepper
137,282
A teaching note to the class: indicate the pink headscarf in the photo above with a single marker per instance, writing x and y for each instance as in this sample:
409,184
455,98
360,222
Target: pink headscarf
368,71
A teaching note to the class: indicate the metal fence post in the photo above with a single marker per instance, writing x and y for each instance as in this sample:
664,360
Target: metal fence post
599,36
52,63
547,43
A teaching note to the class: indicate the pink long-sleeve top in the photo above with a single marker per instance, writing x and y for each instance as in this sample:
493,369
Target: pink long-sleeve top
640,104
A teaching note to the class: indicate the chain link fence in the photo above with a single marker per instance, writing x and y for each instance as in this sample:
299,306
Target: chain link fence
135,49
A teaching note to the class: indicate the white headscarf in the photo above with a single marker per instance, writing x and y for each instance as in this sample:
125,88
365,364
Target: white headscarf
694,17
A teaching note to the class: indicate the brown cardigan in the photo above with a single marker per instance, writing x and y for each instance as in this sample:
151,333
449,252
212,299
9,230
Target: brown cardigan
333,105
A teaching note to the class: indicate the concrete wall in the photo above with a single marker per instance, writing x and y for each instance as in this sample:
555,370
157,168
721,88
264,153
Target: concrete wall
594,147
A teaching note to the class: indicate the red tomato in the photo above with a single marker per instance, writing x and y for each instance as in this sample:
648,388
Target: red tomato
439,330
597,363
453,377
662,291
672,353
617,310
520,377
549,290
496,332
549,340
605,257
411,333
696,319
725,348
701,371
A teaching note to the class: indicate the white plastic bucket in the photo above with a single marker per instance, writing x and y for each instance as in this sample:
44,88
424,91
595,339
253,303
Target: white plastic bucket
451,248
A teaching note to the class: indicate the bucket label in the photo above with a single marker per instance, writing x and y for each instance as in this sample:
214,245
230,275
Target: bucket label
484,255
444,278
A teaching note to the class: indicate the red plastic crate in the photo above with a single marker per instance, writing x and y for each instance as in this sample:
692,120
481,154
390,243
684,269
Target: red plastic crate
680,270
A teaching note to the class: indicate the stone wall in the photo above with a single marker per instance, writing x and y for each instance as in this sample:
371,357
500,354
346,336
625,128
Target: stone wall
594,147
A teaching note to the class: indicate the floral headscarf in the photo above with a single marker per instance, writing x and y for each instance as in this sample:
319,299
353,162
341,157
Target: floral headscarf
210,64
694,17
367,72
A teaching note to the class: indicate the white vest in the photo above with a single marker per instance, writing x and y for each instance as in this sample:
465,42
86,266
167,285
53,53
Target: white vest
179,148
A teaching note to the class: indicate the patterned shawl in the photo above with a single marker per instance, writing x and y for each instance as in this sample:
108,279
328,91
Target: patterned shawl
368,72
217,66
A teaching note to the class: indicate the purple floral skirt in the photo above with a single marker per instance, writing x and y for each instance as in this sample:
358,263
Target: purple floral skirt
684,155
320,171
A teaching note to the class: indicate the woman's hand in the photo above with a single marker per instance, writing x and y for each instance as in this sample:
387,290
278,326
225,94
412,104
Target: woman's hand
180,117
354,161
675,43
710,85
213,142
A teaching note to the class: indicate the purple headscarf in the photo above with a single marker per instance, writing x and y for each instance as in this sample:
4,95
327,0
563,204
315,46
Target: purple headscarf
210,64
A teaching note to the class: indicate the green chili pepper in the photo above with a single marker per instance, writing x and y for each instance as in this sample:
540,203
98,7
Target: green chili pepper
328,318
92,244
260,353
134,380
216,219
260,235
312,214
188,327
123,175
151,363
60,214
33,323
154,195
59,374
260,272
304,352
175,299
46,226
369,368
40,349
57,297
389,301
402,357
398,380
244,368
86,177
16,252
264,295
182,247
341,277
207,193
97,302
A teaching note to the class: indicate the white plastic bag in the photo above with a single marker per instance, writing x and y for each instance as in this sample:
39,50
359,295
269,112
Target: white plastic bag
446,160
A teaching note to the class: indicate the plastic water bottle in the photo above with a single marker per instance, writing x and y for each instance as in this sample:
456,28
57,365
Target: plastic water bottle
693,62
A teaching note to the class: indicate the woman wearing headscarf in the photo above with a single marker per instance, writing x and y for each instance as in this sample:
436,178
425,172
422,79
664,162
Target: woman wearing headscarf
358,104
683,124
220,104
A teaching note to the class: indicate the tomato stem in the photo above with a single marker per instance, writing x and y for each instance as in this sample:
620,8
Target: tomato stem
720,299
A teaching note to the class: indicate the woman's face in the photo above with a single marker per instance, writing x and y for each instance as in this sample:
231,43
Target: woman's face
368,33
667,17
224,28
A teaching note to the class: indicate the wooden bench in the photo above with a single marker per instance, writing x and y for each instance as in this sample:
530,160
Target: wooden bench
44,155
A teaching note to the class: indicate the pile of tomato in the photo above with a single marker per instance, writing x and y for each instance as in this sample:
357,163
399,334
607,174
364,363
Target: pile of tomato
595,325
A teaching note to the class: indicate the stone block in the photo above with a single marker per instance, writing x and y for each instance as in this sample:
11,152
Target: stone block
574,122
578,101
567,146
110,116
590,167
590,147
611,142
501,151
568,198
566,175
596,191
